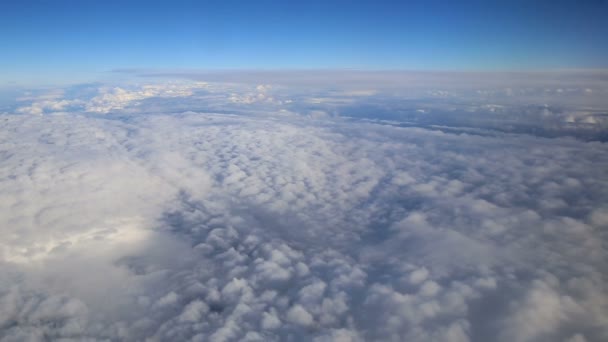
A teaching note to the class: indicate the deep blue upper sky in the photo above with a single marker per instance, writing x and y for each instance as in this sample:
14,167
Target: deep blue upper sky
69,39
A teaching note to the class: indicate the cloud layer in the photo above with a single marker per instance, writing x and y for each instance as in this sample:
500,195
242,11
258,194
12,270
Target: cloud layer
269,225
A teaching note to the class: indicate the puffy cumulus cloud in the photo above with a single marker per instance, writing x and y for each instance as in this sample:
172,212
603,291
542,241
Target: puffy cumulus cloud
260,94
105,99
219,227
552,104
116,98
40,107
48,101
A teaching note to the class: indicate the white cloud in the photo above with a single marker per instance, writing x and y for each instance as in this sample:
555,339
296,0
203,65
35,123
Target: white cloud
298,315
107,98
253,227
117,98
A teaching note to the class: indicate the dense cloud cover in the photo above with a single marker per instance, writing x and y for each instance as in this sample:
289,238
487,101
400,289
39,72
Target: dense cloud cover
222,211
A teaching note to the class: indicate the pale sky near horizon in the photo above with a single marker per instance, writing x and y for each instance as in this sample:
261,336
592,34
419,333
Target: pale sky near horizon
63,40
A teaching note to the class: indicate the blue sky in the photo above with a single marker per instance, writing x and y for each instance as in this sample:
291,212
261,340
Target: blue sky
76,39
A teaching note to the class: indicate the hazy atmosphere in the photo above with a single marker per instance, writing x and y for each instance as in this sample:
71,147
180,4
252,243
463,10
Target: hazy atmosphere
304,171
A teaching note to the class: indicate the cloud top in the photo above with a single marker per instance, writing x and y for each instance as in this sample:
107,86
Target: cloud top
176,213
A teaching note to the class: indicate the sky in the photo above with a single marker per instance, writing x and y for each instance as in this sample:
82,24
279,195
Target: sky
304,171
59,40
